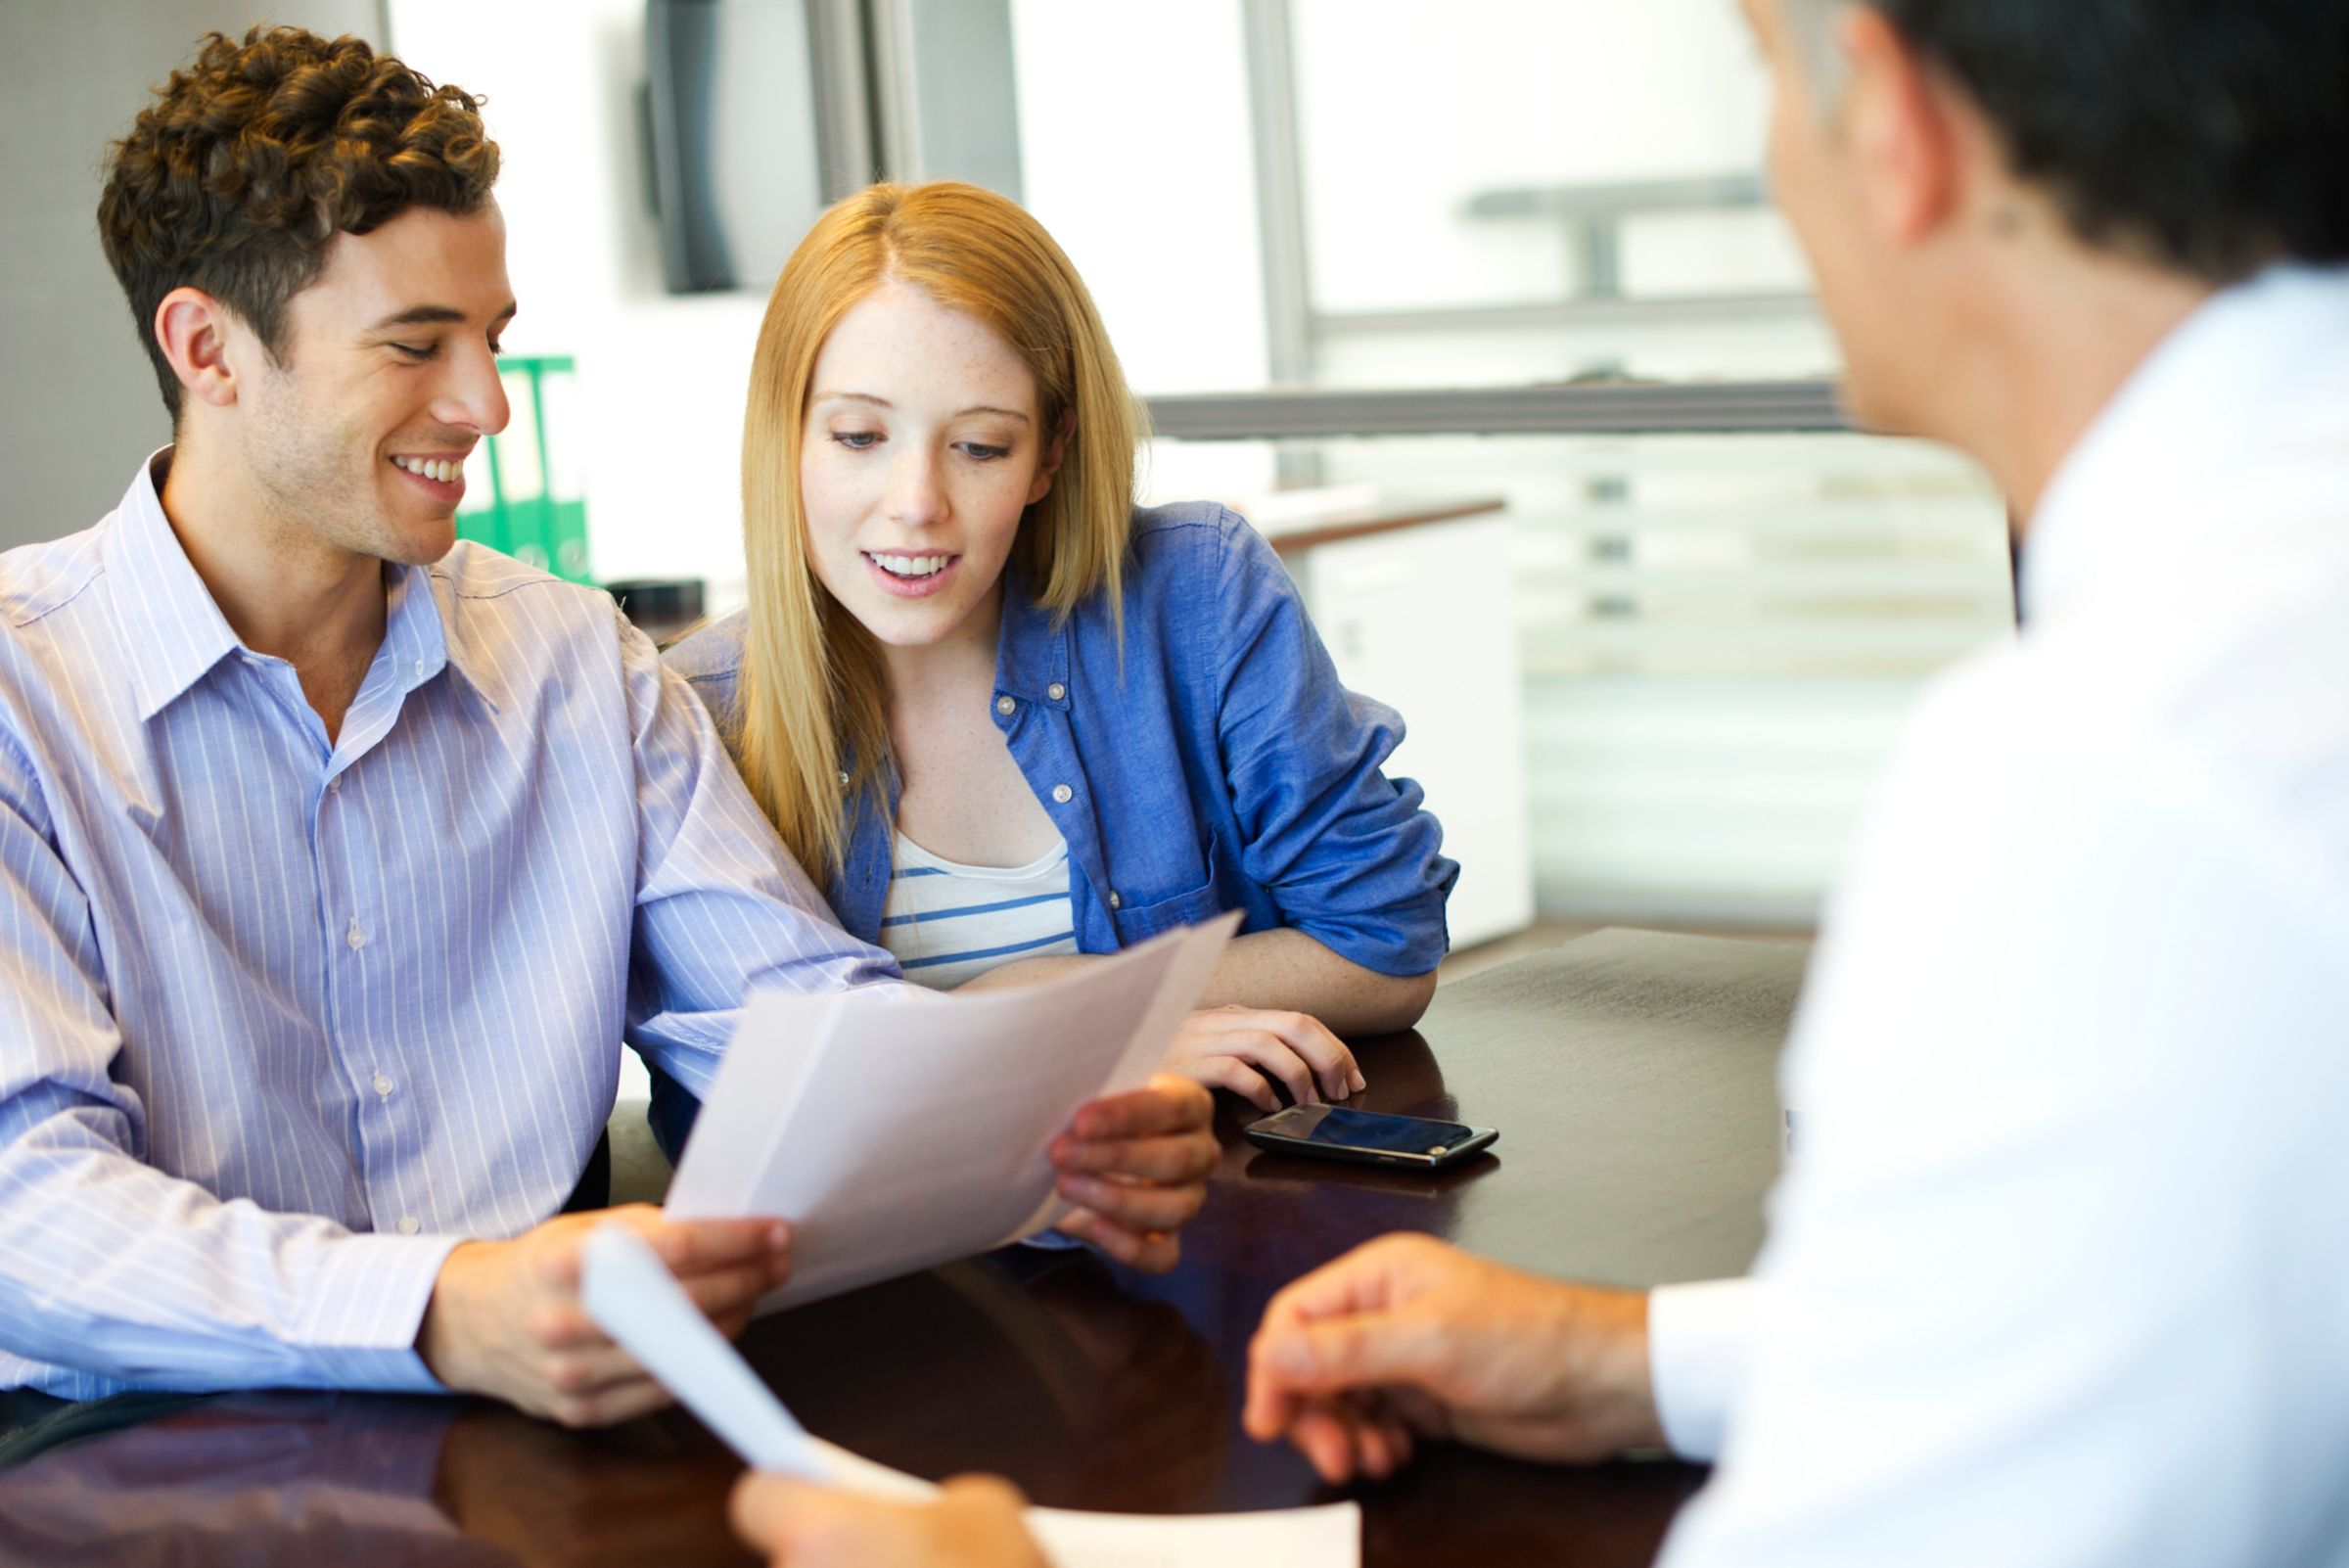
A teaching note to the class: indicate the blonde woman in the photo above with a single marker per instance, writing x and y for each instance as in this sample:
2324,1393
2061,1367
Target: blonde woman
1008,720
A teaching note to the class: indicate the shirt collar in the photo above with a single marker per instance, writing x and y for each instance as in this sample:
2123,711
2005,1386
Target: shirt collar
1032,647
413,634
182,634
2134,498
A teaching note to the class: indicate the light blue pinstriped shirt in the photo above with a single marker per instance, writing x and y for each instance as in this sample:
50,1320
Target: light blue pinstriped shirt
281,1022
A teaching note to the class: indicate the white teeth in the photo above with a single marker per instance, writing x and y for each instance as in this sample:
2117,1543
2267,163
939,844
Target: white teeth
430,468
911,565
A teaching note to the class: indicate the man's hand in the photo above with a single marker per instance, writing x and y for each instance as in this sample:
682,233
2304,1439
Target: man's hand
1135,1165
505,1318
975,1524
1240,1048
1406,1337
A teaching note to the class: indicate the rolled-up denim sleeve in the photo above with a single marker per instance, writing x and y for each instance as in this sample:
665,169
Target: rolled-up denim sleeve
1353,857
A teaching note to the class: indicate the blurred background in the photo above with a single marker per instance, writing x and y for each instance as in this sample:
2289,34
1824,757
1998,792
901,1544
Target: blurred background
1478,309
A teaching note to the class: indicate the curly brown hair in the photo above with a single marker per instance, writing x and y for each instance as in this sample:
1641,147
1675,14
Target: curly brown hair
236,179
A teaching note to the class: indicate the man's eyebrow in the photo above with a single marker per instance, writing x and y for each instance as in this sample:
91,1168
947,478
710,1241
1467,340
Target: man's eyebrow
435,315
883,403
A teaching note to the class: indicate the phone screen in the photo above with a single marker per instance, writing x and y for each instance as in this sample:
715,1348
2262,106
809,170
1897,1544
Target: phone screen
1344,1128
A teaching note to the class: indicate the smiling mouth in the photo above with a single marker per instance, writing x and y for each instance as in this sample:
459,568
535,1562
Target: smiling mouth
440,470
912,568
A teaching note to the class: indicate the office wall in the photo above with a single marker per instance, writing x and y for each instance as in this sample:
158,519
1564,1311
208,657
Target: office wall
78,406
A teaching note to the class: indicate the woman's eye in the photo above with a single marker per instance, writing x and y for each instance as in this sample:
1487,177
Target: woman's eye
416,351
857,441
984,452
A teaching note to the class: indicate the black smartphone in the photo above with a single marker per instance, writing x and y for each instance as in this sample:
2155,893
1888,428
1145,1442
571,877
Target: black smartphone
1371,1137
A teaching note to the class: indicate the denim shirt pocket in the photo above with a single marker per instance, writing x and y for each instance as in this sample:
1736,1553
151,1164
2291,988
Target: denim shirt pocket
1139,922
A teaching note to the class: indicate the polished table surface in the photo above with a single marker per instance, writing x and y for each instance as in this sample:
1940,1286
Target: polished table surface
1631,1076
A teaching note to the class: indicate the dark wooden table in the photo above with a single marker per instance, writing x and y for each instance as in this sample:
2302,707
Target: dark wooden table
1630,1074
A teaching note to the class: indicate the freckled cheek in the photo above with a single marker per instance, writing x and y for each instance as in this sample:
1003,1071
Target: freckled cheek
834,509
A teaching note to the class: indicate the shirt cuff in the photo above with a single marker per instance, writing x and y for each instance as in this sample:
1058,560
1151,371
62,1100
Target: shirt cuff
371,1293
1700,1337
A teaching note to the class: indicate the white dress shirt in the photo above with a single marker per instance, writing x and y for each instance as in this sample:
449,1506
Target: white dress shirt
2060,1272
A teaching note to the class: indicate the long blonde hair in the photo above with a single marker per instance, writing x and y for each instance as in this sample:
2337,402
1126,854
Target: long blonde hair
815,695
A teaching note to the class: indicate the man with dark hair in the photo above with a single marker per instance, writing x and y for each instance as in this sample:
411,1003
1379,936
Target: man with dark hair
2056,1275
338,858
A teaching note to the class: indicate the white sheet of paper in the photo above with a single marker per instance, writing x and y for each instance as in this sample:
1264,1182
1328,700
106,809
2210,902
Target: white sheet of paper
632,1297
902,1129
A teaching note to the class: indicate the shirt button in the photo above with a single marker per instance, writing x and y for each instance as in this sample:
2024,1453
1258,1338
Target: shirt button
1056,691
844,778
334,786
1114,901
409,1225
355,938
382,1084
1006,706
1063,794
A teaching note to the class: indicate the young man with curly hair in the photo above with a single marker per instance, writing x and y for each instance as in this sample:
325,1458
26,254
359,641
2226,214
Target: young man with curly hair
338,858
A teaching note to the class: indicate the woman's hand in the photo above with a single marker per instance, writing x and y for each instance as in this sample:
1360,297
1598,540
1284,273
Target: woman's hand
1136,1165
1244,1050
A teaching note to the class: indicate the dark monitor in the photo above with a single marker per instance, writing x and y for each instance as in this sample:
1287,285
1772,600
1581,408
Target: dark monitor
734,138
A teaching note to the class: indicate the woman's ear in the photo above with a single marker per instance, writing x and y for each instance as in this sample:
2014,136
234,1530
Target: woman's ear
191,328
1056,453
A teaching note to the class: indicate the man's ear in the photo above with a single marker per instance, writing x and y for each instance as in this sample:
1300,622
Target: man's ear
194,331
1056,453
1904,147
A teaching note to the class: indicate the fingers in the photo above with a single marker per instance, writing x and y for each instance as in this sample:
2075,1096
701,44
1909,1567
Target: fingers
764,1504
712,1246
725,1292
1135,1205
1342,1328
1369,1278
1151,1251
1167,1105
1285,1043
975,1520
623,1401
1188,1158
688,1247
1346,1438
1229,1072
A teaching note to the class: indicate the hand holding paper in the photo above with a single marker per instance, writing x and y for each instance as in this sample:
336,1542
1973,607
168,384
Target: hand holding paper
897,1131
634,1299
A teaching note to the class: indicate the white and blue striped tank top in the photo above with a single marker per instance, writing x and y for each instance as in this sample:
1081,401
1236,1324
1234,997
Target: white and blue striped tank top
947,922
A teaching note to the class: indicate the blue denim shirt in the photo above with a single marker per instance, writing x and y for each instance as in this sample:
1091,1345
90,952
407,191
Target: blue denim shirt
1217,764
